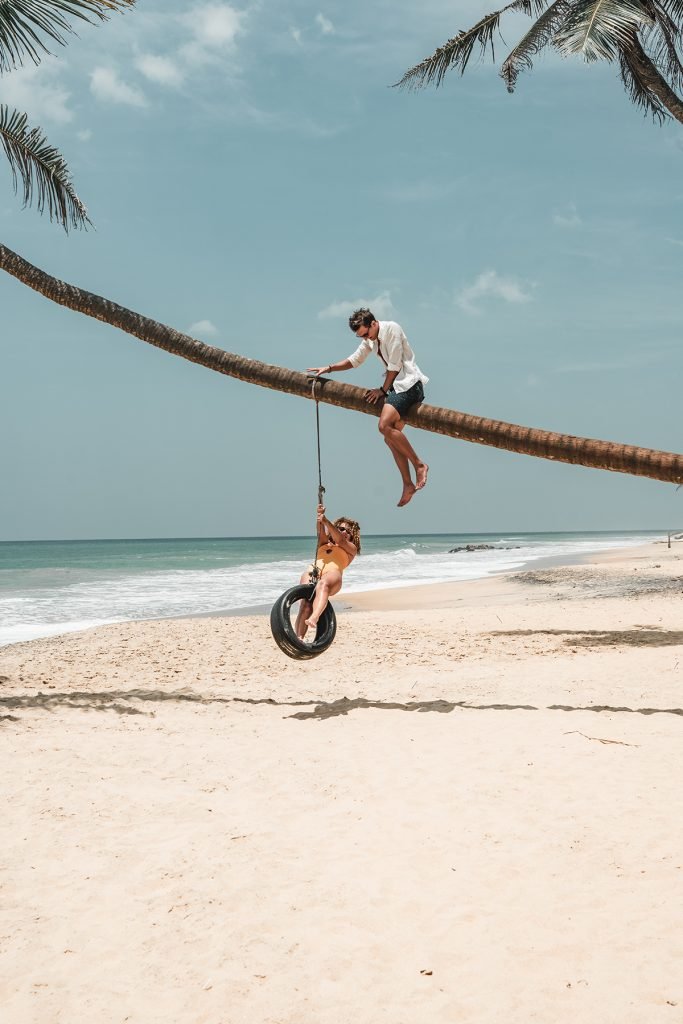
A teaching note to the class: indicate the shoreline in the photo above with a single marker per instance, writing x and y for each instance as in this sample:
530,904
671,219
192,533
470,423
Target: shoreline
500,587
351,601
408,596
638,571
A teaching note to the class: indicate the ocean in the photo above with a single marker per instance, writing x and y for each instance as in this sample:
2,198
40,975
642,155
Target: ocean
52,587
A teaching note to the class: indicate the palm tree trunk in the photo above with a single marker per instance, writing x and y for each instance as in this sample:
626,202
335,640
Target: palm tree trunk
651,79
580,451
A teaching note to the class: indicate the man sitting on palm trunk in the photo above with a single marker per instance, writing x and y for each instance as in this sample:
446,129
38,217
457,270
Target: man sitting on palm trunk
401,389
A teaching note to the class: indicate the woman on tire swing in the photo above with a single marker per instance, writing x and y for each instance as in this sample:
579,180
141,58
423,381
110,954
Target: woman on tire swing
338,545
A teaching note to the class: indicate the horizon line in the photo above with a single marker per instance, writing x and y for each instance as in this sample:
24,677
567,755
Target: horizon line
305,536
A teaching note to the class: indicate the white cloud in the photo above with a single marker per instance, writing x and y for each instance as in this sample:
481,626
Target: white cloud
85,135
674,241
295,33
567,218
215,28
203,328
161,70
37,92
381,306
106,85
216,24
324,24
490,284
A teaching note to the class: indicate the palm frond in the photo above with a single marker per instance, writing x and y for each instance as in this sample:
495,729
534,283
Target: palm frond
674,8
637,88
41,169
662,43
27,27
535,39
457,51
665,58
660,14
599,29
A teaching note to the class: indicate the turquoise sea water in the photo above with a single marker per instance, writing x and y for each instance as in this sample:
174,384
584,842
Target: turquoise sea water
50,587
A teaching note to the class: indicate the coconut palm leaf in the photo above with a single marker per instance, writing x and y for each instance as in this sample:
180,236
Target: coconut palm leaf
535,39
458,50
599,29
28,26
661,43
673,7
662,16
41,169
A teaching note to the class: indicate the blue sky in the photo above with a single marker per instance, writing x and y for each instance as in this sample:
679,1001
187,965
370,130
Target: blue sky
252,178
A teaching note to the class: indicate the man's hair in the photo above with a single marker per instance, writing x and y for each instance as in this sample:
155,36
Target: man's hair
361,318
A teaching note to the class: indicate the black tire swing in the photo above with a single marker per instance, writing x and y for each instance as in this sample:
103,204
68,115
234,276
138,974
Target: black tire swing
281,626
283,631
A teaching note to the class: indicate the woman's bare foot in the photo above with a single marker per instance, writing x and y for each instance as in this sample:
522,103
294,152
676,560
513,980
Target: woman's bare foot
421,476
408,491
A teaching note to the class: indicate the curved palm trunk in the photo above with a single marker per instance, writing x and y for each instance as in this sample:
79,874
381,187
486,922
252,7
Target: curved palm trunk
650,78
580,451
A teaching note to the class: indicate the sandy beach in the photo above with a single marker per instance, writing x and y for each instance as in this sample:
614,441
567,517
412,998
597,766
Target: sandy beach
467,810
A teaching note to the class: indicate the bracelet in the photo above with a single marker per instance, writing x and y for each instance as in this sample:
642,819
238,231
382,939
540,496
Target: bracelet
385,393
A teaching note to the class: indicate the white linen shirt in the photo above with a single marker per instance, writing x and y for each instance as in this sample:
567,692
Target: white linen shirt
393,349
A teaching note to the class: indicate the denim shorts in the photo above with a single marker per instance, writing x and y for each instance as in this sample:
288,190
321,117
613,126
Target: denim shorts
403,401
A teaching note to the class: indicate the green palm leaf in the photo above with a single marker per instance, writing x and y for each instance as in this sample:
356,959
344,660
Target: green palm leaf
27,26
600,29
457,51
661,43
672,7
41,169
536,38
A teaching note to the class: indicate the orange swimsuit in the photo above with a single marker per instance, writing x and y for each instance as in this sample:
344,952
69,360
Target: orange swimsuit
331,556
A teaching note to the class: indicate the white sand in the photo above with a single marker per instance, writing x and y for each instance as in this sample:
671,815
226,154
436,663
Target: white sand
442,819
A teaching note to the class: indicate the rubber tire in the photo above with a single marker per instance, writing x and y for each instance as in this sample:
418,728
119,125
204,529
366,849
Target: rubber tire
283,632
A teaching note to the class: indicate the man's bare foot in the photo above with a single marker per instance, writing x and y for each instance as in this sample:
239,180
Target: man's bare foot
421,476
408,492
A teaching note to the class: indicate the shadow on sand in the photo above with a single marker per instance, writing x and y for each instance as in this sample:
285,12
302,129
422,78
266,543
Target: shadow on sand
646,637
119,701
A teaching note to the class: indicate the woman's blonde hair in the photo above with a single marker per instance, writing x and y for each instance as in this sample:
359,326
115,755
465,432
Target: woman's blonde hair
355,529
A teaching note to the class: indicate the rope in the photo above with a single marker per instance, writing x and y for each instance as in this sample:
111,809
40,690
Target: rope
321,489
315,574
